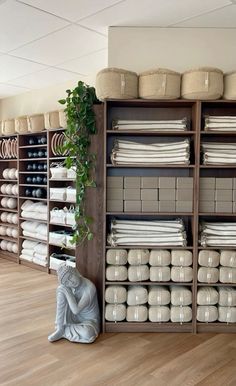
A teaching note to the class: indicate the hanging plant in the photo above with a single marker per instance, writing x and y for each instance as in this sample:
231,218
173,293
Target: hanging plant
80,126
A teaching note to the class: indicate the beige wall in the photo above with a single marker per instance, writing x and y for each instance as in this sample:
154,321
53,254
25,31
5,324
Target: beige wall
140,49
37,101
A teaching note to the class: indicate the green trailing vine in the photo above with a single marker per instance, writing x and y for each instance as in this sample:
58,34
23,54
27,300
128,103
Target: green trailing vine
80,126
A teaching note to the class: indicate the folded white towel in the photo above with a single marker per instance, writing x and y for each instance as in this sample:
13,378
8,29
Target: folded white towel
137,314
228,258
181,258
180,295
115,312
137,295
116,294
116,256
207,296
159,314
208,275
29,234
160,274
40,257
181,274
116,273
180,314
138,273
207,313
158,295
227,275
227,296
28,252
44,263
28,244
227,314
138,256
159,257
41,248
209,258
26,257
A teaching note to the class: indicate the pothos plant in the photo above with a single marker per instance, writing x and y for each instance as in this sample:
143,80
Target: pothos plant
80,126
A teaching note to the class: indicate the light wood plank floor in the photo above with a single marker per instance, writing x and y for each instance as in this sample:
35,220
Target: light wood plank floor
27,311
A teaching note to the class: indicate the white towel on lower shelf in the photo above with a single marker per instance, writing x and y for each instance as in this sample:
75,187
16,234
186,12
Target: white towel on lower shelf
115,312
116,256
181,274
41,248
26,257
227,275
40,257
227,296
208,275
181,258
181,314
116,273
138,256
137,314
138,273
159,257
228,258
159,314
207,314
28,252
44,263
28,244
227,314
137,295
115,294
209,258
158,295
160,274
207,296
180,295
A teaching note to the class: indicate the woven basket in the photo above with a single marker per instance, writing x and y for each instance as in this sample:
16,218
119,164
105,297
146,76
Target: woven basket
62,119
8,127
159,84
21,125
202,83
36,123
51,120
230,86
117,84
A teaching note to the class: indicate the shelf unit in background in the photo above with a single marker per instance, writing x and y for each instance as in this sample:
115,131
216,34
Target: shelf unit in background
148,109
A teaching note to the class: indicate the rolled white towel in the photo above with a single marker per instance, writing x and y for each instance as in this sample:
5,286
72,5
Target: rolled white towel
26,257
207,296
137,314
29,226
209,258
227,275
180,296
28,252
180,314
116,273
159,314
227,296
138,256
42,229
28,244
42,237
227,314
181,258
138,273
44,263
41,248
116,256
181,274
159,257
30,234
207,314
228,258
115,294
158,295
115,312
208,275
160,274
137,295
40,257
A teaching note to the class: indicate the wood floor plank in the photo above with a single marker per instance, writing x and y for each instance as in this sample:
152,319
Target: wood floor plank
27,314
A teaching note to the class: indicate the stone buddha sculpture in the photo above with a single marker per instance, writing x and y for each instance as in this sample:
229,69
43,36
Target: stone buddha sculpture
77,315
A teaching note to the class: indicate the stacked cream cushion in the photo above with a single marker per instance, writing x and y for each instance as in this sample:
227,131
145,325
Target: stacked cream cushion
116,83
158,296
21,125
161,83
181,274
180,314
117,256
230,86
138,273
181,258
207,296
227,275
115,312
202,83
227,314
181,296
208,275
159,314
159,257
115,294
207,313
116,273
227,296
137,314
138,256
209,258
137,295
159,274
228,258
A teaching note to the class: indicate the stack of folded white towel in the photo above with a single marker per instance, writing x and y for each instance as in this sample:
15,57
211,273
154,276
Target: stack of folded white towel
35,252
136,153
215,234
220,123
216,304
35,230
34,210
217,266
145,233
218,153
148,125
139,303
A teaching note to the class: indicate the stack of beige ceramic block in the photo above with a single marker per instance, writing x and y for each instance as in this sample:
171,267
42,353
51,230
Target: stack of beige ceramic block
217,195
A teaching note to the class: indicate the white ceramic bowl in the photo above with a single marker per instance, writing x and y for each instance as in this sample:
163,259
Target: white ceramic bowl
11,203
14,218
9,231
9,218
9,246
5,173
4,216
14,233
16,174
3,188
14,248
15,190
4,201
3,245
12,173
9,189
2,230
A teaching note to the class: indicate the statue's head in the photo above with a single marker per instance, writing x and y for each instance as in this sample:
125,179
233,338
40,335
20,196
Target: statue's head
68,276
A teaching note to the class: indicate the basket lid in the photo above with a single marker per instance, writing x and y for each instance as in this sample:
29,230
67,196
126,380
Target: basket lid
204,69
116,70
159,71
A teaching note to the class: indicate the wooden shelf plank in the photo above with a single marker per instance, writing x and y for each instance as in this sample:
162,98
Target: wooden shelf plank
9,210
160,283
147,327
146,247
216,284
149,214
30,264
216,327
151,133
32,146
153,166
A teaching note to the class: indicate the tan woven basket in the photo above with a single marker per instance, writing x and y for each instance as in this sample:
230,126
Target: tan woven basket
8,127
36,123
62,119
159,84
117,84
202,83
21,125
230,86
51,120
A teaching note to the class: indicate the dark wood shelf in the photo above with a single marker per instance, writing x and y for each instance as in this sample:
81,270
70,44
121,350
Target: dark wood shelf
33,172
33,219
153,166
32,146
9,195
14,240
160,283
9,256
30,264
60,225
33,159
218,166
33,238
7,180
8,159
9,210
218,214
33,198
216,327
216,284
34,185
147,327
224,133
150,247
217,247
7,224
151,133
174,214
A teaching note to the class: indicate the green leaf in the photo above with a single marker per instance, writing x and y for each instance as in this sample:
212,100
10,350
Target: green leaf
90,236
62,101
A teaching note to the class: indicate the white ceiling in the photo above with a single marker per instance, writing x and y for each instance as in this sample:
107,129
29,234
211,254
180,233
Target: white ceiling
46,42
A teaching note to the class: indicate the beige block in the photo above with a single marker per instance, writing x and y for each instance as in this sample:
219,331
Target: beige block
207,183
149,194
207,195
114,182
132,206
167,182
234,195
115,194
149,182
184,194
224,206
150,206
132,182
166,206
132,194
184,206
114,205
223,195
224,183
207,206
234,207
184,182
167,194
234,183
